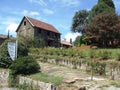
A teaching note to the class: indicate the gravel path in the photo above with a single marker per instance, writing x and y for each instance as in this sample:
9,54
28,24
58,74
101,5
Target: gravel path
65,72
81,78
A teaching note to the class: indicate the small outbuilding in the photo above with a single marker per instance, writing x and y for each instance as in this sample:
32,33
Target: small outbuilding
65,44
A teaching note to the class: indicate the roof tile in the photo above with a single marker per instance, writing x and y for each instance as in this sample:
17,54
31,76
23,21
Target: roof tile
43,25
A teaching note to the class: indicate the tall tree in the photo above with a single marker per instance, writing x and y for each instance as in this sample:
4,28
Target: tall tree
108,2
102,7
79,21
104,30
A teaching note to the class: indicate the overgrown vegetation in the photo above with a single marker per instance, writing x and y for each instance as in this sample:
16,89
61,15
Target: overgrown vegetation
24,65
36,42
99,54
47,78
100,25
76,57
5,60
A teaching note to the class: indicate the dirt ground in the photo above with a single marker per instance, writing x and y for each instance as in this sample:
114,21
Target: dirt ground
78,78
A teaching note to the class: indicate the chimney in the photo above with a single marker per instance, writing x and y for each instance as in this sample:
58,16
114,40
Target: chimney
8,34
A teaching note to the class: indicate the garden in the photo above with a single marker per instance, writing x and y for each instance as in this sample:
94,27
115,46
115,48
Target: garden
99,59
93,62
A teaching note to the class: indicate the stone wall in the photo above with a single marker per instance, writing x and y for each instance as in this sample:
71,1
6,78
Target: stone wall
4,77
112,73
22,80
36,84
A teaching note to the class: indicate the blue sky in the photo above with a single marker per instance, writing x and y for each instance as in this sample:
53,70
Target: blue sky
59,13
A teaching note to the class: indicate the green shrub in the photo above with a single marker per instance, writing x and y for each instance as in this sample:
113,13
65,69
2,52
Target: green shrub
118,56
22,49
104,55
81,54
24,65
12,80
92,53
5,60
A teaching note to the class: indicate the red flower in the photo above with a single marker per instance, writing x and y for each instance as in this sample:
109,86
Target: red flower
94,60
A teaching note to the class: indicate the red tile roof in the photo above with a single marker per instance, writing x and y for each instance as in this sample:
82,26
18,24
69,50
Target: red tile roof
64,42
43,25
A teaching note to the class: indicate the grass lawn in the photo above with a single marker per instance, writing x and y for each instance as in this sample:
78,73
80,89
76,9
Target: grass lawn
47,78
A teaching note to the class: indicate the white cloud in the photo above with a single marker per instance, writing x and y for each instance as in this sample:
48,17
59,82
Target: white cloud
8,20
48,11
25,12
31,13
40,2
72,36
12,28
70,2
34,13
67,3
65,27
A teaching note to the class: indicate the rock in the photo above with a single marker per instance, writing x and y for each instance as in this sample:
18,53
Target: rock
82,88
69,81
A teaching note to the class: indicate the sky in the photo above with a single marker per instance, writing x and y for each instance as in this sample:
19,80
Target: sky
59,13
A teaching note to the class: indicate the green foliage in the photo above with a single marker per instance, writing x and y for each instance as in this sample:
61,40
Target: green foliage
77,41
80,40
104,55
36,42
46,78
108,2
5,60
79,21
12,80
103,26
24,65
97,67
81,53
22,49
115,83
102,7
83,17
92,53
118,56
104,30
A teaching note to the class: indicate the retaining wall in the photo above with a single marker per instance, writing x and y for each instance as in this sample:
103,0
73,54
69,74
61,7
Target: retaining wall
38,85
112,73
4,77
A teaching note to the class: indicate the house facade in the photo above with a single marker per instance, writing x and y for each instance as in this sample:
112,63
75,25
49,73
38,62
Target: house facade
32,28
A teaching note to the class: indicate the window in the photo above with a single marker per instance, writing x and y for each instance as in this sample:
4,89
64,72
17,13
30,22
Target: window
48,33
39,31
55,35
24,23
